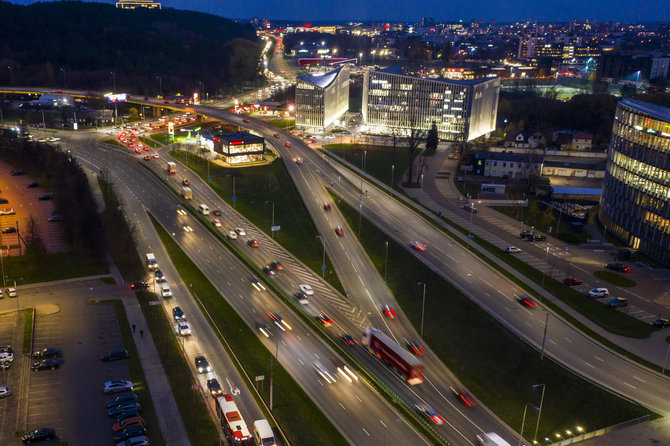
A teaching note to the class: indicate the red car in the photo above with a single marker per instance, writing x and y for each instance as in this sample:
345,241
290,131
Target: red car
389,312
464,397
527,302
254,243
147,158
277,265
288,144
339,231
326,207
415,348
276,135
348,339
246,120
185,182
418,246
325,320
572,281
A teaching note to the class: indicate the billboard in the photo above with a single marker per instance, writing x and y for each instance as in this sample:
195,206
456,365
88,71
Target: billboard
171,130
119,97
196,98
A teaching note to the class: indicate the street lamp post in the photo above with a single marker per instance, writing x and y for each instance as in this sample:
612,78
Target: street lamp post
276,358
386,260
392,171
160,85
667,347
64,78
11,75
537,426
546,257
323,260
423,306
272,228
113,81
360,211
523,422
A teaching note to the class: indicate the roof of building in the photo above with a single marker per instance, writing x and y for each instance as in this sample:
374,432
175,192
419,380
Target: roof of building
511,136
576,190
658,112
506,156
246,137
587,166
582,135
321,80
396,69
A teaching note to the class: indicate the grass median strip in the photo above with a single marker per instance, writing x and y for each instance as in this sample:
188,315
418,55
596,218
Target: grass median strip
312,426
490,360
615,279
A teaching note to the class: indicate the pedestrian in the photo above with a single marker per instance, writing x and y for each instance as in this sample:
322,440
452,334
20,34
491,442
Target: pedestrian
142,334
134,326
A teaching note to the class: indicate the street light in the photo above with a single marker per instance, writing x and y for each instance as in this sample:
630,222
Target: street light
272,228
360,211
392,171
323,261
114,81
423,306
523,422
386,260
160,85
64,78
537,426
11,75
546,256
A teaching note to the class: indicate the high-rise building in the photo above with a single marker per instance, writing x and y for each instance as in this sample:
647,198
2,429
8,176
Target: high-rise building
461,109
321,99
635,202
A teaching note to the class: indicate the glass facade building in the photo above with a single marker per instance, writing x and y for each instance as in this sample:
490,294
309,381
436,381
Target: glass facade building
321,99
462,109
635,203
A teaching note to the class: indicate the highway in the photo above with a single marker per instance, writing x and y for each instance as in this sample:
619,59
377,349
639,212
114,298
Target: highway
355,409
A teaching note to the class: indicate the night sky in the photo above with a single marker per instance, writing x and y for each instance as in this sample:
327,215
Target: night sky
448,10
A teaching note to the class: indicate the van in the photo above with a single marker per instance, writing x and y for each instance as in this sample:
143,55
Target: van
203,209
263,434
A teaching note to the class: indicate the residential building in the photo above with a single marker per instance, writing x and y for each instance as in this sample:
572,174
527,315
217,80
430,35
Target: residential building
461,109
506,165
321,99
635,204
526,139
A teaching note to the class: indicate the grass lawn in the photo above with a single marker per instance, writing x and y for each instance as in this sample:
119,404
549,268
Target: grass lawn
311,426
380,161
491,361
255,188
615,279
51,267
284,124
28,315
468,187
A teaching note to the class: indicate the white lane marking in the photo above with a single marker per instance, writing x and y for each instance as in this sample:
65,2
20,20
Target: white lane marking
590,365
358,398
343,408
630,385
598,359
639,379
567,339
366,432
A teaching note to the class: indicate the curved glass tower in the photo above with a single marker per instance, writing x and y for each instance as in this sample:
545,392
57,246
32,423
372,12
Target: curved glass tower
635,203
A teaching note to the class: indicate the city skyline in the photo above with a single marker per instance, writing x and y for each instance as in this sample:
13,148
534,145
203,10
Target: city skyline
413,10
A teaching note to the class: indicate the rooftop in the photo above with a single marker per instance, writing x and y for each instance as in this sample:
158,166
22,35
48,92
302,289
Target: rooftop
656,111
321,80
397,70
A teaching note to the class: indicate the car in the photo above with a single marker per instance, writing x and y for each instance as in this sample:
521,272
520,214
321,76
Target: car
308,290
527,302
617,302
288,144
470,208
512,249
127,414
339,231
323,372
115,355
147,158
618,267
187,228
5,364
418,246
1,295
572,281
128,422
537,238
183,329
48,352
463,396
389,312
10,230
217,212
279,322
240,231
348,339
135,441
302,298
156,155
8,211
166,292
325,320
277,266
117,386
4,392
269,271
246,120
55,218
415,348
202,365
430,413
178,314
16,172
41,434
214,387
4,201
661,322
598,292
116,410
253,243
326,207
121,399
525,233
298,161
264,329
232,235
138,285
45,197
129,432
185,182
276,135
51,364
6,353
216,222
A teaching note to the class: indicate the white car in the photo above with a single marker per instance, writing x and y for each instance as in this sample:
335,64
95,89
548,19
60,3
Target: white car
184,329
599,292
216,222
11,292
512,249
306,289
6,353
323,372
240,231
165,292
5,392
187,228
232,235
117,386
8,211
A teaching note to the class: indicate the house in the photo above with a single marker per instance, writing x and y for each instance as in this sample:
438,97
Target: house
567,140
506,165
526,139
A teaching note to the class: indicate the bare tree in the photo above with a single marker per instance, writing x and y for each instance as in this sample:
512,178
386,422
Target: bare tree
413,139
32,238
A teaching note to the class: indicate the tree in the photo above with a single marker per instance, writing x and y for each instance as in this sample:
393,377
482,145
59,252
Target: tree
412,140
134,114
33,239
432,139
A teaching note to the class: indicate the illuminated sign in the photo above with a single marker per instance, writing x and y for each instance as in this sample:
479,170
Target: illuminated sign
236,143
171,130
120,97
196,99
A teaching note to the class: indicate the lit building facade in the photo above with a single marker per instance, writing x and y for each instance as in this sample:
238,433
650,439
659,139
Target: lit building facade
635,203
133,4
236,148
321,99
462,110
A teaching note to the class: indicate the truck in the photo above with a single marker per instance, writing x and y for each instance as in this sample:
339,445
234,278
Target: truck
187,193
171,168
263,434
491,439
394,355
152,263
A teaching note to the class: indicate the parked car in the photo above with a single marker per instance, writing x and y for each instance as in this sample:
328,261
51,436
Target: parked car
117,386
115,355
178,314
33,184
129,432
618,267
599,292
537,238
617,302
121,399
45,364
572,281
525,233
45,197
135,441
661,322
4,392
9,230
183,328
8,211
116,410
41,434
48,352
128,422
202,365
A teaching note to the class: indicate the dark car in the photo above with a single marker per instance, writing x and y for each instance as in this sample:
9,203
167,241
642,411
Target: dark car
470,208
348,339
178,314
45,364
45,197
464,397
33,184
202,365
48,352
661,322
618,267
415,348
128,413
4,201
121,399
253,243
217,212
277,265
16,172
10,230
214,387
138,284
326,207
537,238
617,302
527,302
115,355
159,275
129,432
269,271
41,434
525,233
572,281
127,405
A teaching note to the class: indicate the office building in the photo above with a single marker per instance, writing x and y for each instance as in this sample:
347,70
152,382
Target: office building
461,109
635,204
321,99
236,148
